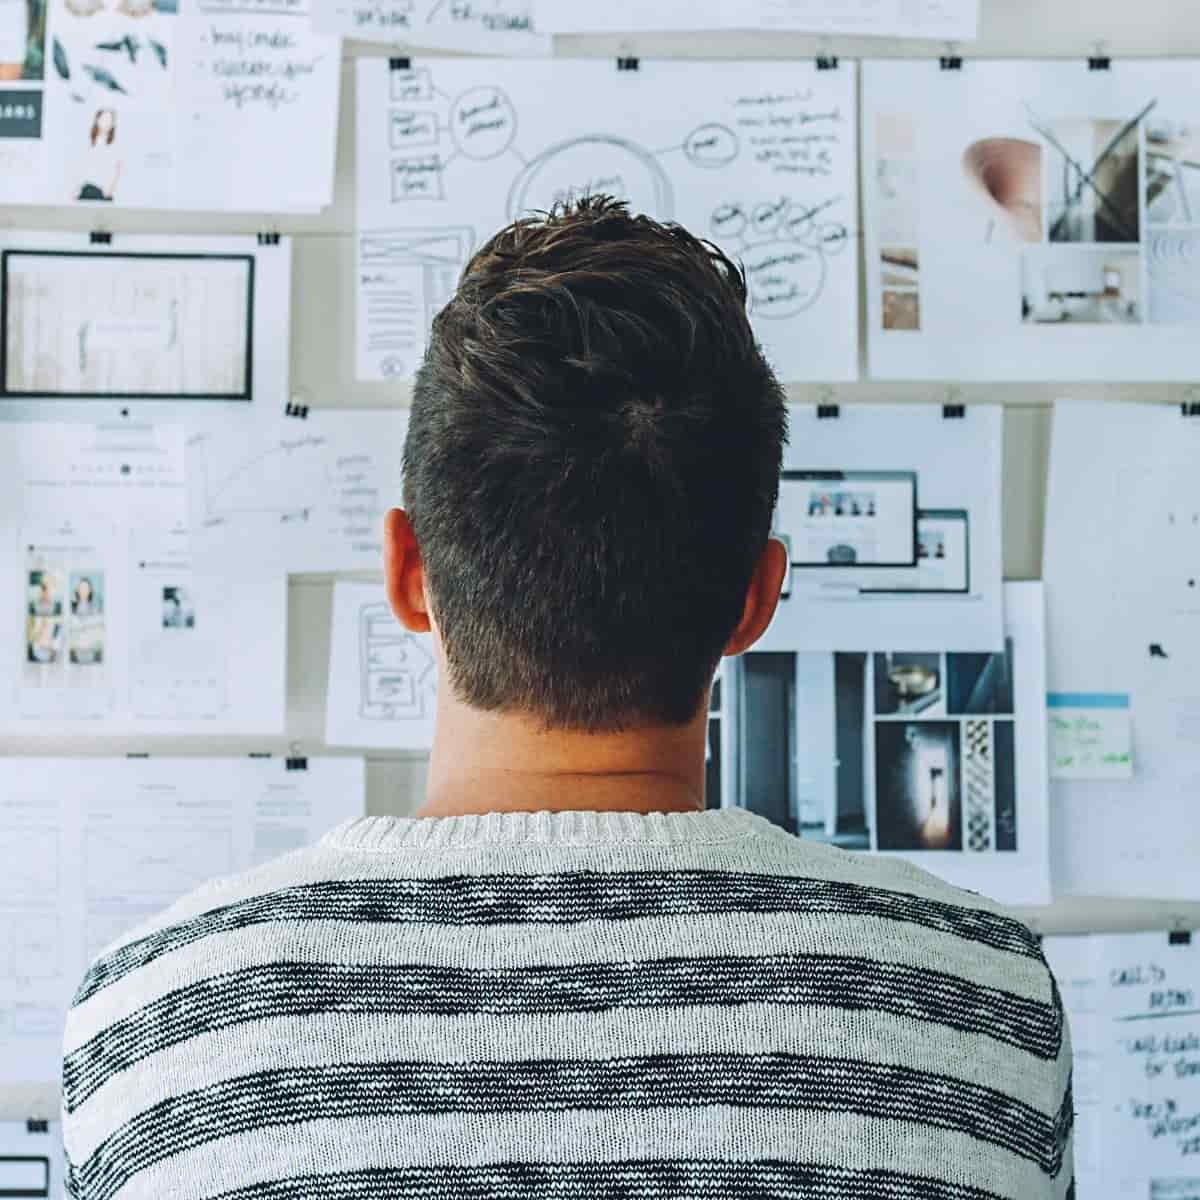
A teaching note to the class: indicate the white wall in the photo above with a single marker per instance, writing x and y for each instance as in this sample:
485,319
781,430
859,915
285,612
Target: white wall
322,364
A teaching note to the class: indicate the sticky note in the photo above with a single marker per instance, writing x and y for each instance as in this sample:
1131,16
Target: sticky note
1090,735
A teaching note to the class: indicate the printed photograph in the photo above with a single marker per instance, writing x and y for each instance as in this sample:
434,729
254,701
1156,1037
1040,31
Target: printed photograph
918,802
1092,180
980,683
1081,285
901,309
85,636
1173,267
43,640
22,40
908,685
178,608
1172,170
45,592
1007,173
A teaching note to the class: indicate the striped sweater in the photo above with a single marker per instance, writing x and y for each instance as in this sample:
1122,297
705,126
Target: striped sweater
573,1004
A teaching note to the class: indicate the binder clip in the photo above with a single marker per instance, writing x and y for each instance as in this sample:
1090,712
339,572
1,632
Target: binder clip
295,761
268,239
36,1125
828,412
826,59
259,754
1191,402
292,409
137,753
627,62
99,238
1099,60
952,412
400,63
951,60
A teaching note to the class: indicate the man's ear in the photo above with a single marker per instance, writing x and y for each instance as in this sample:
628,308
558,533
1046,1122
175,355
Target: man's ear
404,575
762,597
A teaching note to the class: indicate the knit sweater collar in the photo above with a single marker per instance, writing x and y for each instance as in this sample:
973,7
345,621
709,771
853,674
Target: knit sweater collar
547,828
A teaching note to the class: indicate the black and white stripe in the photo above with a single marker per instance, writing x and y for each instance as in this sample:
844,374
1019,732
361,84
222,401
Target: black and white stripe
651,1179
303,988
565,898
285,1098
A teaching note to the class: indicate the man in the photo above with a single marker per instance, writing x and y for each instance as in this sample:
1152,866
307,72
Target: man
564,977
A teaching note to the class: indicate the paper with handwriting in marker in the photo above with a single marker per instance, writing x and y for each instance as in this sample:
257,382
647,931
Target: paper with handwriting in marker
503,27
1091,735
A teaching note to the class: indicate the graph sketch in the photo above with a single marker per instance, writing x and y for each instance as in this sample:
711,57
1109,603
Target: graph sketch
758,159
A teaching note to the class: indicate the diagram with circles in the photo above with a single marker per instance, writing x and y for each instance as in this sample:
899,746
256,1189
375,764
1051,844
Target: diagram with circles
757,158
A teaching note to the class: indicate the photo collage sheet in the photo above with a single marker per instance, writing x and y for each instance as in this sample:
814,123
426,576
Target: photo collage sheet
932,750
1031,220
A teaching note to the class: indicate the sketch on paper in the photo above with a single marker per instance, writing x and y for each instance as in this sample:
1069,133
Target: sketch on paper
915,753
81,325
891,522
396,669
382,678
1013,211
449,153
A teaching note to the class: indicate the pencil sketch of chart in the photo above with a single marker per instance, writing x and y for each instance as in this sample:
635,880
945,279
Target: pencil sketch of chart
396,670
768,177
279,476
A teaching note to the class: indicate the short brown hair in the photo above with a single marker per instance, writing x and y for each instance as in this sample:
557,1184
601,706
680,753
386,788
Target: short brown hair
592,462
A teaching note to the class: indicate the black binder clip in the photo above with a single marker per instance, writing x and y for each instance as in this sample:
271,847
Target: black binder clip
100,239
628,62
295,762
260,754
827,62
137,753
1190,409
400,63
268,239
1179,937
292,409
951,60
1099,60
951,412
827,412
36,1125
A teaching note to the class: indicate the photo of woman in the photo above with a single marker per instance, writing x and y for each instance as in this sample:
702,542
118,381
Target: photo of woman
103,161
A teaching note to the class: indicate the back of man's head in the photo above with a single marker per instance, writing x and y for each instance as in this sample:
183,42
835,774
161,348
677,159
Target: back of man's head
592,462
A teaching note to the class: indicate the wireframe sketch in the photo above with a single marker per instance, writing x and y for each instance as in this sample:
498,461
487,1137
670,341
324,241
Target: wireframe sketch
132,325
397,672
763,170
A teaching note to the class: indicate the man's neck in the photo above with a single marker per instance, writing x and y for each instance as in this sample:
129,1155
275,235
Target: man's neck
489,762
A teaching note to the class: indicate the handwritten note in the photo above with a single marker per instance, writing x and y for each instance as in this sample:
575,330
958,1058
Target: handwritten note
503,27
1153,1078
259,94
1091,735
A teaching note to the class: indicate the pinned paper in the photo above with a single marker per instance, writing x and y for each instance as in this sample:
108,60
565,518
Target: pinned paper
1091,735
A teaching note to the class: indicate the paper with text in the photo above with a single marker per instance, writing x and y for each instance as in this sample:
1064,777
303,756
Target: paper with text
1091,736
1031,220
1133,1003
501,27
93,847
759,157
1123,595
382,678
956,20
891,519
